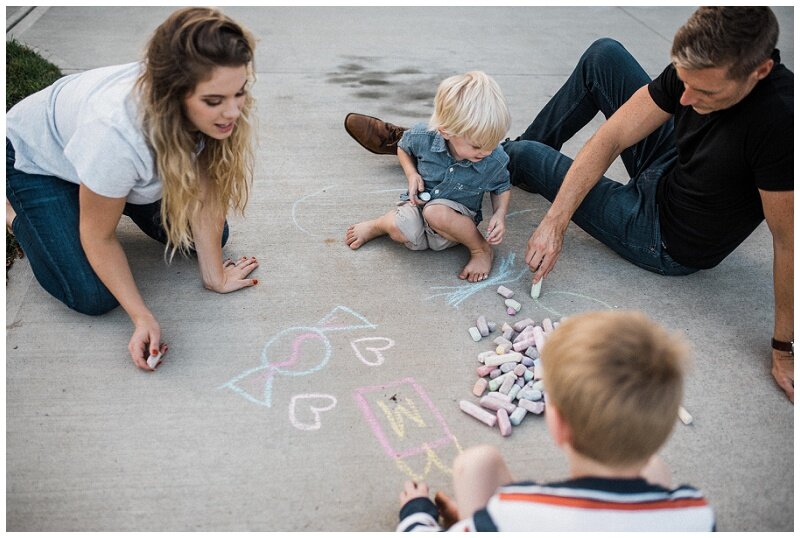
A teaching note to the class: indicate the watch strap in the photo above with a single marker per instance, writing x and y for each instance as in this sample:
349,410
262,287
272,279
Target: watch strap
780,345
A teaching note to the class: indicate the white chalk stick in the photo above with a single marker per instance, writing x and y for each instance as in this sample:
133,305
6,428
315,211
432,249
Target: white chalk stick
475,334
511,303
497,360
154,360
536,289
684,415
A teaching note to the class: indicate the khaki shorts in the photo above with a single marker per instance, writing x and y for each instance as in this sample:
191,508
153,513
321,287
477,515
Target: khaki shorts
420,236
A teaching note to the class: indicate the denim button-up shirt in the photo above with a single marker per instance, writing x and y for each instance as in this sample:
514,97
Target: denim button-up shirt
462,181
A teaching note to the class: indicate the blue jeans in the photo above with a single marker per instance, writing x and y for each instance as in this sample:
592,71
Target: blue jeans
46,227
623,217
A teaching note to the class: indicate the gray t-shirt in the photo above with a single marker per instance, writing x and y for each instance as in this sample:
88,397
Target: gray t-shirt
85,128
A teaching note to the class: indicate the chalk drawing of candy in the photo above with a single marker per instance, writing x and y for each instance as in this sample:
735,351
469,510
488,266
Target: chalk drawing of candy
294,352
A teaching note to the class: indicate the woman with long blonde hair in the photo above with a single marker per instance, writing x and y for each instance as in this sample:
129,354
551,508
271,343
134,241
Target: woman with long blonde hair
166,141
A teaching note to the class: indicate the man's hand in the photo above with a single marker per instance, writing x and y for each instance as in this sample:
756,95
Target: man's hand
544,248
783,371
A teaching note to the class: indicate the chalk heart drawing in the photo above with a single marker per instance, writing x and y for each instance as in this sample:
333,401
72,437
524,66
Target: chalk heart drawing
309,404
373,357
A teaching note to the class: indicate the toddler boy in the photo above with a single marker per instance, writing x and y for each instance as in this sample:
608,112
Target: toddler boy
454,159
614,385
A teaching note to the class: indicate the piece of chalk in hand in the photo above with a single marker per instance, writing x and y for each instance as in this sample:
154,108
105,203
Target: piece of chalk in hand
536,289
154,360
424,196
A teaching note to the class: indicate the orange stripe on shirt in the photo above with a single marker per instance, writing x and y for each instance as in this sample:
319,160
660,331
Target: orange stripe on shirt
602,505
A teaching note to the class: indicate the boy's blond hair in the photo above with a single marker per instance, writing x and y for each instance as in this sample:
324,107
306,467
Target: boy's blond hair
616,378
473,106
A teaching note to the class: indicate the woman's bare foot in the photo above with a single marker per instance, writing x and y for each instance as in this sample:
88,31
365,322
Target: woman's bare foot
479,265
447,509
358,234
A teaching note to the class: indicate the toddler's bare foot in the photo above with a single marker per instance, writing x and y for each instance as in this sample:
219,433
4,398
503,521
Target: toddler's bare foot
479,265
447,508
358,234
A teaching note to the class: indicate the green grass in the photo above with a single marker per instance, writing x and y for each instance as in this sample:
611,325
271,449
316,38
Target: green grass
26,73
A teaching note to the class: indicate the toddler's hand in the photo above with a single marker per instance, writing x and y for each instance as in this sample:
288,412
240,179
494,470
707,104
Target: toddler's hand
496,230
415,186
412,490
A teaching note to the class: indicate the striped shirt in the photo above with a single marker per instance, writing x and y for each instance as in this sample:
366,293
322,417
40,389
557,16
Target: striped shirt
584,504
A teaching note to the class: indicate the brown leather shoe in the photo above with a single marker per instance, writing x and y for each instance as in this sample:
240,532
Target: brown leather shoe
373,134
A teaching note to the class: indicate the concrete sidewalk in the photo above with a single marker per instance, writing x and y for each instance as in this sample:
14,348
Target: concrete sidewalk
223,439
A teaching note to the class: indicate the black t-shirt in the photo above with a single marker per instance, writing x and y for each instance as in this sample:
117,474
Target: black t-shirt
709,202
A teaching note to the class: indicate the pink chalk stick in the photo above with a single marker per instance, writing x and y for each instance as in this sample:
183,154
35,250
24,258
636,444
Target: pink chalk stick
521,324
505,292
491,402
500,396
511,312
484,370
490,419
537,372
519,370
480,387
547,325
522,345
503,422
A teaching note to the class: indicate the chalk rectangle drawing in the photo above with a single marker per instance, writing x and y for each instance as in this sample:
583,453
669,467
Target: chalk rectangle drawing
398,425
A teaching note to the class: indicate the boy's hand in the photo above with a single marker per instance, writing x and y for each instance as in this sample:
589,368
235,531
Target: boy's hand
412,490
496,230
415,186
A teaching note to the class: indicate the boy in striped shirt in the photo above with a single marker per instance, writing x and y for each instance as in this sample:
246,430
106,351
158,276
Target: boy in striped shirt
614,385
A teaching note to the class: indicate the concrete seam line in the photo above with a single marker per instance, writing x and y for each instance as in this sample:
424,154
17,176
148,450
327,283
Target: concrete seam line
25,22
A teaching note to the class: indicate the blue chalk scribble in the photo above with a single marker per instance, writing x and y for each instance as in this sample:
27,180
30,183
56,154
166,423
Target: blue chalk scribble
504,274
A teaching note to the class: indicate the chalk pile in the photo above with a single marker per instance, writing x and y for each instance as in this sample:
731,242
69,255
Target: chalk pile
509,381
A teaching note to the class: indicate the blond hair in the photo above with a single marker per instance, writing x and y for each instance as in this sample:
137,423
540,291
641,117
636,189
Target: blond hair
471,105
616,378
183,51
739,38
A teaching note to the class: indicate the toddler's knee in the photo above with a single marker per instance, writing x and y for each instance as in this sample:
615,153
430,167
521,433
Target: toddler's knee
435,214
